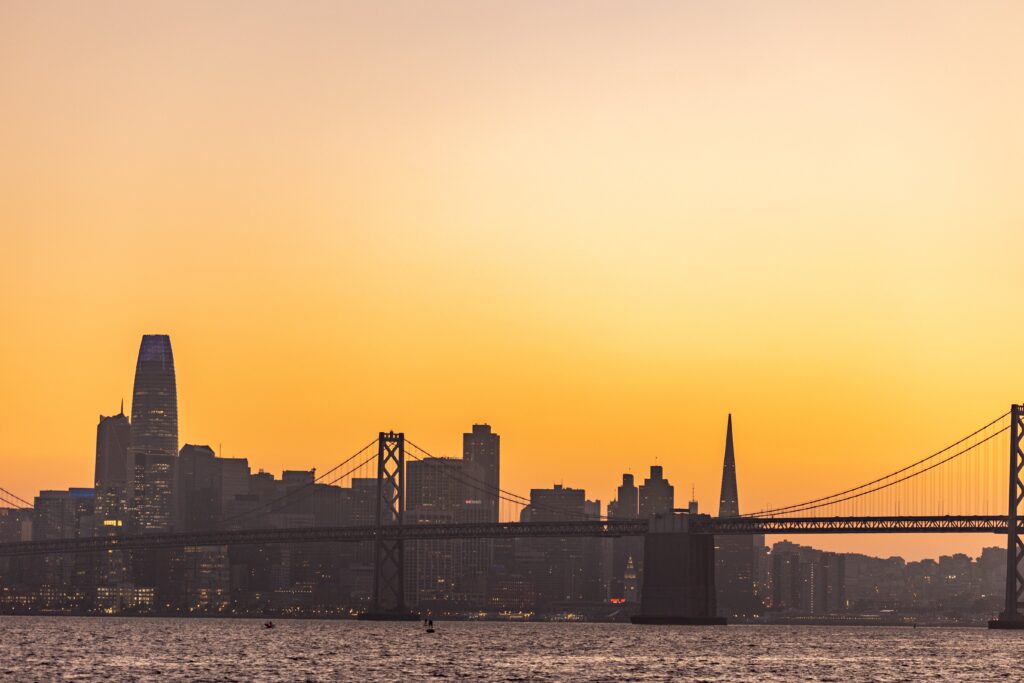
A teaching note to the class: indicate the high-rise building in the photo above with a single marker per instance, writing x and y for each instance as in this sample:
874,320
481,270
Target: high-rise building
203,496
197,489
113,435
627,551
565,571
66,579
657,495
153,447
627,500
446,573
735,556
729,502
112,498
483,447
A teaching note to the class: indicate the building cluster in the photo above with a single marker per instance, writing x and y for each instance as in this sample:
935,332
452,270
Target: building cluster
145,484
805,584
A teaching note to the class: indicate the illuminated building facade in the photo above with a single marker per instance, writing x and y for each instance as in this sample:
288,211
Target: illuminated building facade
153,447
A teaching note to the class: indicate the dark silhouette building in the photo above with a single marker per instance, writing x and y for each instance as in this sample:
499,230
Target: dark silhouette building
153,447
729,501
735,556
64,579
483,447
627,551
446,574
656,498
565,572
113,436
811,582
112,494
657,495
197,487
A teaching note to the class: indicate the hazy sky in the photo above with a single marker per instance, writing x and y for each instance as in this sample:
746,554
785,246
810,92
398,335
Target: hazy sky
599,226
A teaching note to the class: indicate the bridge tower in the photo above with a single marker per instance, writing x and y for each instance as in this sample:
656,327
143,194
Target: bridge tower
679,574
1011,618
388,602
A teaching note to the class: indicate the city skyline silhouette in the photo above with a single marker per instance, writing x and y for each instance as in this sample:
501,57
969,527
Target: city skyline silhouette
371,340
157,348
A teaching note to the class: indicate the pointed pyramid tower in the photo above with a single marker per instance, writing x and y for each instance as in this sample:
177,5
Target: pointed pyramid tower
729,503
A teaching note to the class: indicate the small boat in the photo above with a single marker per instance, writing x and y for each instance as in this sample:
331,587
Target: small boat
268,624
430,625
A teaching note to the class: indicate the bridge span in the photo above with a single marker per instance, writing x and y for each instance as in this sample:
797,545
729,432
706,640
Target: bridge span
694,524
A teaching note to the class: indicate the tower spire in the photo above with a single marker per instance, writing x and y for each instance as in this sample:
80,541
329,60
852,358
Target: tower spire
729,505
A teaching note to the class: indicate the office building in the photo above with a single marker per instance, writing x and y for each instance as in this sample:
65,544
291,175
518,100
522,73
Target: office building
627,551
153,446
483,447
735,556
657,495
446,574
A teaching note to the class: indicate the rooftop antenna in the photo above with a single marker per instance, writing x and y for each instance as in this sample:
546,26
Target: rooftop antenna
122,405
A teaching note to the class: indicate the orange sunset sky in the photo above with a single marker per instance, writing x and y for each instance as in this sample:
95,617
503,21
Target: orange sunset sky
598,226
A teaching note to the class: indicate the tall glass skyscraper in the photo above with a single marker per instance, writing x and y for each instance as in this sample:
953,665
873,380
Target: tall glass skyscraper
154,435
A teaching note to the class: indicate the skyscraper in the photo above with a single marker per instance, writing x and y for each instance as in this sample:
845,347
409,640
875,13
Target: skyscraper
112,499
153,446
64,514
734,555
564,571
627,551
113,435
483,447
657,495
729,503
445,573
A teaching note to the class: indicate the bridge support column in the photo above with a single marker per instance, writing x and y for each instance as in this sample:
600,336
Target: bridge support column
1011,618
679,575
389,554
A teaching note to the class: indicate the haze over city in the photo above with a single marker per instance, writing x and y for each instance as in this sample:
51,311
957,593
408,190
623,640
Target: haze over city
600,231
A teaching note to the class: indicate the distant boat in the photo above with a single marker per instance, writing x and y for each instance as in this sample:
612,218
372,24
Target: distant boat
268,624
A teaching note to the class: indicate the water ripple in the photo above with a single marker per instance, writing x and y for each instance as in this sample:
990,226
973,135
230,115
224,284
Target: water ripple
227,650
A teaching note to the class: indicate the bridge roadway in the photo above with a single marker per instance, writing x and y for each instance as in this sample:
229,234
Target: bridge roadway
698,524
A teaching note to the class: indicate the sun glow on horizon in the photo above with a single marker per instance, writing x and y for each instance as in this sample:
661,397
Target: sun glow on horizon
600,228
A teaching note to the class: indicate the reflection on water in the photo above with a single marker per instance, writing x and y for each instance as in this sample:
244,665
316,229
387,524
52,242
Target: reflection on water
93,649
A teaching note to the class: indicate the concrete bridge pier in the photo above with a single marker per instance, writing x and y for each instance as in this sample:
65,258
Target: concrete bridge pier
679,575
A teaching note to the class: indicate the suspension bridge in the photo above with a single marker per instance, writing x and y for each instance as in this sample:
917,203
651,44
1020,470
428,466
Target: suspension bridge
969,486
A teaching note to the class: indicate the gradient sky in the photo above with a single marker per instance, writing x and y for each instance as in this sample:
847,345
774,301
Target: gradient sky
599,226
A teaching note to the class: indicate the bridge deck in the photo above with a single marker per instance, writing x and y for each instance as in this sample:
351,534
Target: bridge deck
701,524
